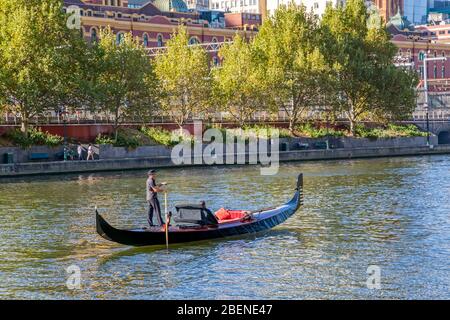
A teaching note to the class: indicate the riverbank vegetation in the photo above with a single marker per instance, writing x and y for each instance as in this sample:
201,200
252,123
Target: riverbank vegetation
148,136
35,137
132,138
361,131
339,67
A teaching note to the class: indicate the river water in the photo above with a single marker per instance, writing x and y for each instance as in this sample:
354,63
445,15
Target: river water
391,213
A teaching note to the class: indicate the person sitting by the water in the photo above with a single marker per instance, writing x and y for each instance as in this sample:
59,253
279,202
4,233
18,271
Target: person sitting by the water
152,198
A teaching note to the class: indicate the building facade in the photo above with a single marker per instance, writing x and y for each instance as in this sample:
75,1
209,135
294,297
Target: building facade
147,22
243,21
197,4
416,11
414,49
238,6
318,6
389,8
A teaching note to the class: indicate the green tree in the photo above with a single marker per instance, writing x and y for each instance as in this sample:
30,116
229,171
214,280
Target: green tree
38,57
363,82
124,83
288,44
183,72
237,86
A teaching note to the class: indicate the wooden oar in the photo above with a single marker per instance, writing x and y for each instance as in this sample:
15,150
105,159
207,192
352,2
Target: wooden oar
167,220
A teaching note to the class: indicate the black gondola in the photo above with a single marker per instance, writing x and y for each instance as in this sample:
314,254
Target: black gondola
195,223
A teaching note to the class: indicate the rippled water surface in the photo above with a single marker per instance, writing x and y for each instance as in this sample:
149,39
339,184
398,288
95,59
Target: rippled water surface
393,213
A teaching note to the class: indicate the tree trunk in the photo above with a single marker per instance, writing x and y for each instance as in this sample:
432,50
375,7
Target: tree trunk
116,133
181,129
24,125
291,125
116,125
351,119
180,123
352,127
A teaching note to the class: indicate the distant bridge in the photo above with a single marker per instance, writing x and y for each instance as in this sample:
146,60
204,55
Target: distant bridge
441,128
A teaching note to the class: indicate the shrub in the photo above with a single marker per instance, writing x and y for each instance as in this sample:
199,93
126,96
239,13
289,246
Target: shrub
390,131
123,140
35,137
311,131
409,130
262,130
162,136
104,139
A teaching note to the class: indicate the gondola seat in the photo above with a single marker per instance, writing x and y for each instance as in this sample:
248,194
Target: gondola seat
224,215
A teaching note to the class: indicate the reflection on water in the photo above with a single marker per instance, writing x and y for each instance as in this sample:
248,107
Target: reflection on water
394,213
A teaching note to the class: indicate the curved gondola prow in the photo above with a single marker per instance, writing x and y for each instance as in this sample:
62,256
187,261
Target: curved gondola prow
298,197
101,225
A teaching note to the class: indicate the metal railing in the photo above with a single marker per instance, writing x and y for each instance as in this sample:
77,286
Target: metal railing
208,47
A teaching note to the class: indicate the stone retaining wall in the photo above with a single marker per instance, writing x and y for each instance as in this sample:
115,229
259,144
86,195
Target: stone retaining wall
60,167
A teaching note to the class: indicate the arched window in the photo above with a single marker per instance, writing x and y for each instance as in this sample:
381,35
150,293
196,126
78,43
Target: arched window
435,54
215,61
193,40
443,72
119,38
435,71
93,35
421,55
215,46
145,40
160,40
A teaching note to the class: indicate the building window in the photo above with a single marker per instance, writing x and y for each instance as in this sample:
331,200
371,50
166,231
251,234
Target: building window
119,38
160,40
421,55
193,40
93,35
443,72
435,72
145,40
215,61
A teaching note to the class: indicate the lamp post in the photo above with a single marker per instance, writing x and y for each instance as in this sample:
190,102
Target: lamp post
62,112
425,86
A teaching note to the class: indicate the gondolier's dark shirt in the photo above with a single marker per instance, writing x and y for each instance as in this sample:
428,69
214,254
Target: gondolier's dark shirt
150,193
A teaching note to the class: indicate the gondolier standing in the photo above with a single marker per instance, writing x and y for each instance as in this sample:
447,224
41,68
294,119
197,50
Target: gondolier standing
152,198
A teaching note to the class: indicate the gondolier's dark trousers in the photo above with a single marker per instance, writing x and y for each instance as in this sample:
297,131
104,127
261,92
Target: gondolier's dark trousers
154,208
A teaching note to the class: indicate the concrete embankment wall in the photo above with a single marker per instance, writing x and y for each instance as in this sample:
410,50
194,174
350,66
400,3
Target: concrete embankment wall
108,152
60,167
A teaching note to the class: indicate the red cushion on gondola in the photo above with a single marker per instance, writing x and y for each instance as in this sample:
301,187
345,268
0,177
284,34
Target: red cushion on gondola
224,215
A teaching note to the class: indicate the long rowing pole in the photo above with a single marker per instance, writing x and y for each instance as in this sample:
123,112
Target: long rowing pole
167,220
